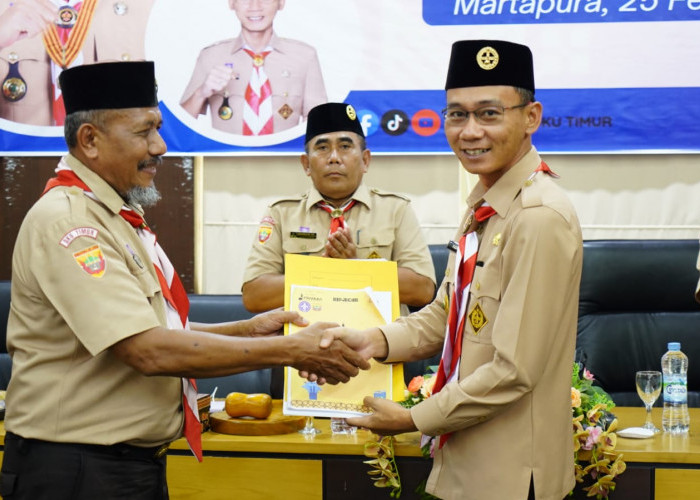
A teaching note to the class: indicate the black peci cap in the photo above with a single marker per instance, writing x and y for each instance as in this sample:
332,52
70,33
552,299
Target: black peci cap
332,117
476,63
113,85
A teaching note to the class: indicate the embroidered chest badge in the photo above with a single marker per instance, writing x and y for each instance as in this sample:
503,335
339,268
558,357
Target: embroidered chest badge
91,260
477,319
374,255
264,233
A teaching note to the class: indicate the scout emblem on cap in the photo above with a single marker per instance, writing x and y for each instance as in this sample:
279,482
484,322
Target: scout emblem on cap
477,319
487,58
91,261
351,112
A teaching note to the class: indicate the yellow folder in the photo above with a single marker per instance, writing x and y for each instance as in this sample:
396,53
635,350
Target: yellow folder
355,293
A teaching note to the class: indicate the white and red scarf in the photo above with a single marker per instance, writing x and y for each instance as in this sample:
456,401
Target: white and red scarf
177,302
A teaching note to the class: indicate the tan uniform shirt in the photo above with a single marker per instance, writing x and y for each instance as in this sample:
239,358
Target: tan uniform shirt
511,409
81,282
383,225
116,33
292,69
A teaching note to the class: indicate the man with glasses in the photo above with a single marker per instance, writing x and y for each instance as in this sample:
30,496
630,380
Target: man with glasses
505,316
257,83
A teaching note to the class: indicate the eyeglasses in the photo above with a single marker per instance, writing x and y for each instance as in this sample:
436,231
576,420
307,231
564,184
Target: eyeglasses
487,115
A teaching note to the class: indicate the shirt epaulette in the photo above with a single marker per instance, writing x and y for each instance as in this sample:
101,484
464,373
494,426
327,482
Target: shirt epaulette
531,192
220,42
295,198
381,192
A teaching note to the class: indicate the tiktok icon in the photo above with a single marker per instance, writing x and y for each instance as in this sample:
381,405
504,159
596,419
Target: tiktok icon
395,122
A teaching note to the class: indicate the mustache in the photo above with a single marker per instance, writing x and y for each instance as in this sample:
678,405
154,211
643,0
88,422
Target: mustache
156,161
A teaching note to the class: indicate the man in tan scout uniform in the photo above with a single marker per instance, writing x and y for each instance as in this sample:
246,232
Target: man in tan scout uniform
102,350
104,31
339,217
224,72
501,409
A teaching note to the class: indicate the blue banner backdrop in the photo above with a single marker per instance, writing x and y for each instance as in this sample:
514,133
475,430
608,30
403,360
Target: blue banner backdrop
612,75
575,120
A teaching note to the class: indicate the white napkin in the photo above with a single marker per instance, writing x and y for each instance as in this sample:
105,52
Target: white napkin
635,433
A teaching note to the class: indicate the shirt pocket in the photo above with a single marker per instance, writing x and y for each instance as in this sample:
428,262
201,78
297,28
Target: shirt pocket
484,301
371,245
304,246
139,267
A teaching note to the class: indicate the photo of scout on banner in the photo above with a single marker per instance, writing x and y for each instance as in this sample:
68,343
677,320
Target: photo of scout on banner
351,292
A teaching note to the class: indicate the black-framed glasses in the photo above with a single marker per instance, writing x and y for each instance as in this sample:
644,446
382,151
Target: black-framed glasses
486,115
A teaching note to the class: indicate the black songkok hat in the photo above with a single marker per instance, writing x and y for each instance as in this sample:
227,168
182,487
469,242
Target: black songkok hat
332,117
476,63
113,85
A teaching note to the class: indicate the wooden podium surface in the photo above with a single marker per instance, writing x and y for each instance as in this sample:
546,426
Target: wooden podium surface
328,466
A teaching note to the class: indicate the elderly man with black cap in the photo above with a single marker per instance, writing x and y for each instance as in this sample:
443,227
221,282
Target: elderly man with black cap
339,217
103,353
505,315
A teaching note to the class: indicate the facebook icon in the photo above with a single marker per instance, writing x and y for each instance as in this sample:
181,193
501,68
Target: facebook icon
369,121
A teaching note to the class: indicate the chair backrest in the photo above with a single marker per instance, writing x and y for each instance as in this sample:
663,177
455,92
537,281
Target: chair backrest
5,360
636,296
220,309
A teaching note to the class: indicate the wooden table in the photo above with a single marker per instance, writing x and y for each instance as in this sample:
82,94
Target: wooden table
292,466
331,467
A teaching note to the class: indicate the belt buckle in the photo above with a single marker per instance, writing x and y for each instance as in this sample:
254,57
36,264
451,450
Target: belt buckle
161,451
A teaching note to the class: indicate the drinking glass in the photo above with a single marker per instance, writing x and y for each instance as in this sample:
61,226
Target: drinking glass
649,389
309,428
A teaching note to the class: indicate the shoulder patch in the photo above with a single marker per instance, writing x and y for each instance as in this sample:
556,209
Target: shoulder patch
264,233
267,220
77,232
381,192
91,260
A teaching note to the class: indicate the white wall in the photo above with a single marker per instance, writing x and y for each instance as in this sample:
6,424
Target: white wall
616,196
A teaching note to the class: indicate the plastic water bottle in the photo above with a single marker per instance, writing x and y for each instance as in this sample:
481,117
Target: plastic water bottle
674,365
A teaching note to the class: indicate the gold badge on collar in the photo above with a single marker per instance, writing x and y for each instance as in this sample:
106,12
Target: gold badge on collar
478,319
487,58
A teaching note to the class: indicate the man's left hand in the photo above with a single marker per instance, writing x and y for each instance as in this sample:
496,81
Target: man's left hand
340,245
387,418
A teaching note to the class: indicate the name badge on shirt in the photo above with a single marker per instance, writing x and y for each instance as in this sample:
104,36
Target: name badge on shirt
302,235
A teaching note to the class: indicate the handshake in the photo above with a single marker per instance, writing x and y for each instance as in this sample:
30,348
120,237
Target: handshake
323,352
